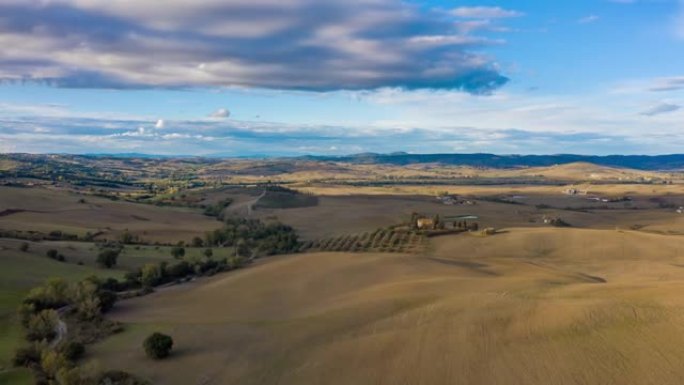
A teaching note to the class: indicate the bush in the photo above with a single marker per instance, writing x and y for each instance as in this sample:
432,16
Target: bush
24,247
158,345
52,254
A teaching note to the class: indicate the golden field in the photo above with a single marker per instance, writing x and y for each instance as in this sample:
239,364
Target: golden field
527,306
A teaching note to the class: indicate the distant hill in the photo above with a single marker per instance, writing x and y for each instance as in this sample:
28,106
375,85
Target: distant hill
636,162
639,162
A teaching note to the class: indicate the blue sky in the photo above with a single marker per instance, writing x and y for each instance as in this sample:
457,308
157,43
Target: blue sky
293,77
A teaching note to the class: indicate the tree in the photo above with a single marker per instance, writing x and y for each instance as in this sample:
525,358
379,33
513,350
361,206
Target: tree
108,257
87,301
158,345
208,253
42,325
150,275
52,362
177,252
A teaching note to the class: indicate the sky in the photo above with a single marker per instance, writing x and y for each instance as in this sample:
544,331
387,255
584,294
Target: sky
334,77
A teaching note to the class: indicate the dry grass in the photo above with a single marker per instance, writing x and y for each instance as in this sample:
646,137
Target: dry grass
529,306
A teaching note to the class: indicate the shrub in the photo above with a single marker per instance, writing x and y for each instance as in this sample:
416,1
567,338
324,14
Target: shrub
158,345
24,247
52,254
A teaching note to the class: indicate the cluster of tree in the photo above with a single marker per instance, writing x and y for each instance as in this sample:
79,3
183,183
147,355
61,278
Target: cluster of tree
253,238
155,274
89,299
55,361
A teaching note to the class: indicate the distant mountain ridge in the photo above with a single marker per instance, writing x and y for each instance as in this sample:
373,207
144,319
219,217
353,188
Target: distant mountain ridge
672,162
639,162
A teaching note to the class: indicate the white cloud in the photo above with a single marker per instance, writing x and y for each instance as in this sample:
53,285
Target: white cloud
220,113
160,124
588,19
485,12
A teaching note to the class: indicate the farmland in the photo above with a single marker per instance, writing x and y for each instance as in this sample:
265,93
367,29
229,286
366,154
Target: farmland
326,272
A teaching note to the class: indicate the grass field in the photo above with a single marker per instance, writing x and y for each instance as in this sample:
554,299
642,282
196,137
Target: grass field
528,306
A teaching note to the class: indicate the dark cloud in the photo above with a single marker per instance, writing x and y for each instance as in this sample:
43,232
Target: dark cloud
281,44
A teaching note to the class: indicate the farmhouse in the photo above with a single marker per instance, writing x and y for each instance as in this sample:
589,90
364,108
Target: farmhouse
425,223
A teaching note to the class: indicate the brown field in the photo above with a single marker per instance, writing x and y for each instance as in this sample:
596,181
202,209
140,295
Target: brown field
528,306
45,210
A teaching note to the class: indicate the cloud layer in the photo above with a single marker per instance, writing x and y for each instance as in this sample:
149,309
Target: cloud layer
281,44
